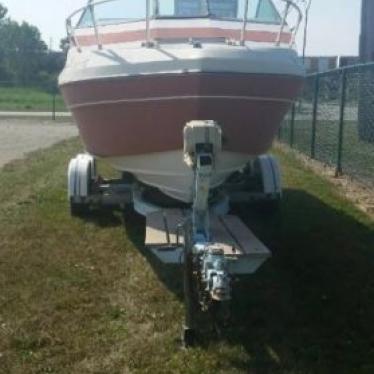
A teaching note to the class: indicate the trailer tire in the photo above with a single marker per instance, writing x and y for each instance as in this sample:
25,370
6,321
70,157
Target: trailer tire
267,172
81,174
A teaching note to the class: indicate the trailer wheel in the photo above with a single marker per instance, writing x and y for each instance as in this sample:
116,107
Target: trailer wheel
81,174
266,171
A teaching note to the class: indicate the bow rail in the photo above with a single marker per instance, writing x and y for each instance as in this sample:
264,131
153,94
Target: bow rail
150,5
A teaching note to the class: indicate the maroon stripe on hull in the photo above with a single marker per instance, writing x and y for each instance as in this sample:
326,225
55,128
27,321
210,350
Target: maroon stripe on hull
191,84
130,128
179,33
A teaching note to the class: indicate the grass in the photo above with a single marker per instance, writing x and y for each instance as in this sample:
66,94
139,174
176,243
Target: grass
84,297
28,99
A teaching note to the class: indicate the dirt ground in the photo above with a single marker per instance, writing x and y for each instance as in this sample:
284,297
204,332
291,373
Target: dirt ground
21,136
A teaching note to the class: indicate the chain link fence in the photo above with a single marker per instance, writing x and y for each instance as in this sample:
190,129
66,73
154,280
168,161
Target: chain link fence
333,122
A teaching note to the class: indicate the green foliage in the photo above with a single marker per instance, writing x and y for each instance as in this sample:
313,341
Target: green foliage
21,49
24,57
64,44
3,12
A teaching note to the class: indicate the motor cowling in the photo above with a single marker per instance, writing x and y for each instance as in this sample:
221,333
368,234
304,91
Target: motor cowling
201,137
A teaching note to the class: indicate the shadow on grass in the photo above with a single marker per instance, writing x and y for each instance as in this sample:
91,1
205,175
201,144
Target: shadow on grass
170,275
311,307
104,218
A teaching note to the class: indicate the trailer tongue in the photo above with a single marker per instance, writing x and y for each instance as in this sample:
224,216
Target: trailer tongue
213,246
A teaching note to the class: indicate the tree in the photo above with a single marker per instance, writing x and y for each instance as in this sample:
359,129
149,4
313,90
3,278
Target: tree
3,12
65,44
22,50
4,73
24,57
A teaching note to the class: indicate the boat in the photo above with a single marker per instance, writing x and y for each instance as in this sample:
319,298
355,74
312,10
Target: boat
184,98
137,72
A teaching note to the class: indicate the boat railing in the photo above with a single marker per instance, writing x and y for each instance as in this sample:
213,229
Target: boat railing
289,4
92,4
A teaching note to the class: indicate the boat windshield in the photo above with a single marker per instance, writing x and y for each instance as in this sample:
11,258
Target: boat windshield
123,11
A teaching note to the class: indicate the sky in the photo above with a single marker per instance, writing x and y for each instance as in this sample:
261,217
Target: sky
333,26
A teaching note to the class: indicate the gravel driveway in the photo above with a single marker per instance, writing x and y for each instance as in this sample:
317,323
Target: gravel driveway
21,136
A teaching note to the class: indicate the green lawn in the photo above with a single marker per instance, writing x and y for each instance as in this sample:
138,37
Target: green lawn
84,297
28,99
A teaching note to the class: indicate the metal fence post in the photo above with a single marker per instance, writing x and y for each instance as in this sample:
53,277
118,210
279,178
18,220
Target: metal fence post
315,115
53,106
292,127
339,166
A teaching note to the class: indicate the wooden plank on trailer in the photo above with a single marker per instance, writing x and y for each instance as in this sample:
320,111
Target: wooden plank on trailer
175,217
221,237
247,240
155,229
161,227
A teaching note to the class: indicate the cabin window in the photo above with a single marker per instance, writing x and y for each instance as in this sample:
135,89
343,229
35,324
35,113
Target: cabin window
262,11
123,11
258,11
265,11
114,12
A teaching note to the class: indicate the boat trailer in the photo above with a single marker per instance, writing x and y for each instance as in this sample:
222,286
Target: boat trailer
213,246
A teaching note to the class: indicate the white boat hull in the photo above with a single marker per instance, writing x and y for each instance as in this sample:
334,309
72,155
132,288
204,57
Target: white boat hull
168,172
